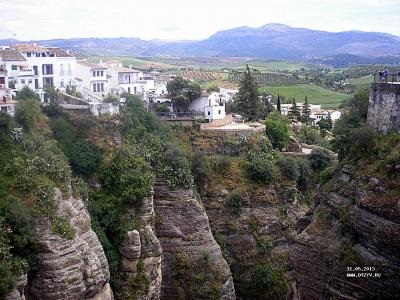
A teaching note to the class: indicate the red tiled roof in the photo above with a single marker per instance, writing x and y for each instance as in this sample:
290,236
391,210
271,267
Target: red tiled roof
11,55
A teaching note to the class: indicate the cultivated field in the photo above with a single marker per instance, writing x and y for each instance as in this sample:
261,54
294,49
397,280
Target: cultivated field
314,93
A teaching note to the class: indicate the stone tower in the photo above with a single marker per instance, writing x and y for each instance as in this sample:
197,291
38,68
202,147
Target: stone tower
384,107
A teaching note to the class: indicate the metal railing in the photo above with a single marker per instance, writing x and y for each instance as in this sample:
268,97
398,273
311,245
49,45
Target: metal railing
386,77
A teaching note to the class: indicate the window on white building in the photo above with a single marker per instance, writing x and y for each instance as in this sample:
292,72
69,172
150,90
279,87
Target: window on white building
94,87
102,87
209,113
94,73
28,54
37,54
219,112
69,69
61,69
47,69
22,81
30,81
98,74
101,73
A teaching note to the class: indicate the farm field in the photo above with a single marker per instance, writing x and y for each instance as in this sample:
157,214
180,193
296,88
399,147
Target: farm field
314,93
361,82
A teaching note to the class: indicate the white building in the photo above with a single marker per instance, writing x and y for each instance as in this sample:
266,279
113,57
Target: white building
37,67
51,66
122,79
92,78
317,113
215,107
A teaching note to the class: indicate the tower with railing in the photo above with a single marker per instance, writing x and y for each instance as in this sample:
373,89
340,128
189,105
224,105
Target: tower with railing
384,102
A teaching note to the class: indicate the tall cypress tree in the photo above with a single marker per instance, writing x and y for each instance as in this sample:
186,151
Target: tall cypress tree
306,112
247,100
294,111
278,104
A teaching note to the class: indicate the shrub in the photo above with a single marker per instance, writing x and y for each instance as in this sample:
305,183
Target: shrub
28,113
235,202
305,173
84,157
199,167
267,283
62,227
363,141
7,278
289,168
277,130
311,136
326,174
222,164
176,167
128,176
320,159
261,170
27,94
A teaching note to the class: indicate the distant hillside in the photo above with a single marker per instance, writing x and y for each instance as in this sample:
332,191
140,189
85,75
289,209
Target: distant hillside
271,41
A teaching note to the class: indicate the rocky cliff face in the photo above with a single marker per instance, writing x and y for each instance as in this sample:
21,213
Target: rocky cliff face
192,262
261,233
69,268
139,274
356,223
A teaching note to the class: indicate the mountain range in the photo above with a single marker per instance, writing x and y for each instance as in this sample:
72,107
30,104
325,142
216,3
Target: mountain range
271,41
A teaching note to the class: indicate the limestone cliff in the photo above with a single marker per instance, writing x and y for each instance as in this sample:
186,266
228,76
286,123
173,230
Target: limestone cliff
356,223
73,268
139,274
192,263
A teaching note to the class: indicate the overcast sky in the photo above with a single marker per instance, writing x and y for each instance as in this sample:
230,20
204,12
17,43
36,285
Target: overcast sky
185,19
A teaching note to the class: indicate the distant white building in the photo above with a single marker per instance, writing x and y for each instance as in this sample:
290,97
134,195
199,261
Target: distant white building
92,77
317,113
7,105
122,79
37,67
215,107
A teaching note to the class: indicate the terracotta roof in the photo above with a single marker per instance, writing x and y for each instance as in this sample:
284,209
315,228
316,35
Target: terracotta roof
90,65
58,52
11,55
29,48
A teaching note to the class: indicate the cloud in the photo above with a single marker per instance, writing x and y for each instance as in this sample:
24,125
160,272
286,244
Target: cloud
179,19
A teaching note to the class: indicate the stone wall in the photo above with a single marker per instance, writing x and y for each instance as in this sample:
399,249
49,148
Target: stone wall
384,107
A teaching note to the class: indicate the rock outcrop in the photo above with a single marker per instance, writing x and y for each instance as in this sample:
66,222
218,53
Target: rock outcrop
18,293
69,268
139,274
192,263
261,233
351,249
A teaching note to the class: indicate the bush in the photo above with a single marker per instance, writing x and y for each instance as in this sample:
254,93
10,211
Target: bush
176,167
235,202
310,136
320,159
27,94
199,167
305,173
277,130
326,174
84,157
222,164
28,113
289,168
267,283
261,170
363,141
7,278
61,227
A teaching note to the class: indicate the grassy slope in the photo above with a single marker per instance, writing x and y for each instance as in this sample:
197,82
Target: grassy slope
315,94
362,82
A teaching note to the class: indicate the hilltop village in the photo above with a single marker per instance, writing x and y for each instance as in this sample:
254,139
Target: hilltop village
102,85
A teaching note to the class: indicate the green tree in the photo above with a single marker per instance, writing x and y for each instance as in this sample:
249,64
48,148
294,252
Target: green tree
28,113
247,100
182,92
306,112
213,88
278,104
26,93
294,112
277,130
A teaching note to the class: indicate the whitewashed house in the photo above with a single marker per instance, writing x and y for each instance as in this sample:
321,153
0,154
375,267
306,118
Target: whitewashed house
215,107
51,66
92,79
123,79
